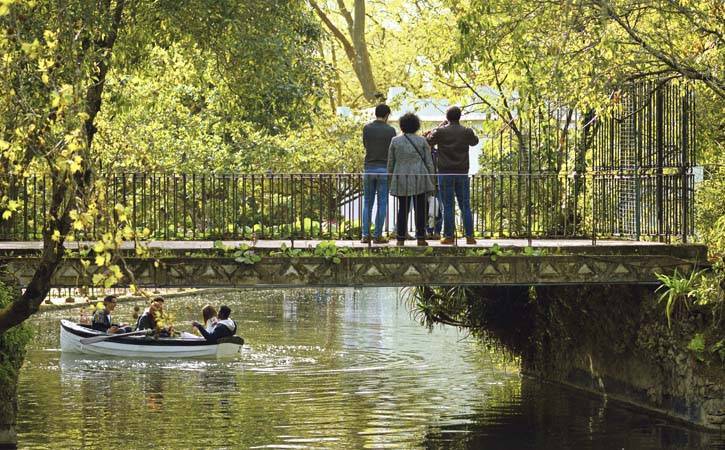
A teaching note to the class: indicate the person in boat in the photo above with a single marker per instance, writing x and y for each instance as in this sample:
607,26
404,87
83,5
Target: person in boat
147,320
224,327
209,316
102,318
153,319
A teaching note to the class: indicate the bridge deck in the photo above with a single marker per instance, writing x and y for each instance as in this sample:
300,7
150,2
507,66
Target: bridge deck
9,246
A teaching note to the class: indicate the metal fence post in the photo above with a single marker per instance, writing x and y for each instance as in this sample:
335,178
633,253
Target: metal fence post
528,194
660,144
685,163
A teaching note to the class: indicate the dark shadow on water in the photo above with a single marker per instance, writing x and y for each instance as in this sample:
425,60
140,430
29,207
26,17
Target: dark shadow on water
548,416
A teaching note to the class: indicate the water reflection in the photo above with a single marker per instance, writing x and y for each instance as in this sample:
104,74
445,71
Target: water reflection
545,416
322,369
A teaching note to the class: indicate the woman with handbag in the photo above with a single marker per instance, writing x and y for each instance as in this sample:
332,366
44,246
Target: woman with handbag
410,166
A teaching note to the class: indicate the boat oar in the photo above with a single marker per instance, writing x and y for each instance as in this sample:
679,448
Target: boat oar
94,339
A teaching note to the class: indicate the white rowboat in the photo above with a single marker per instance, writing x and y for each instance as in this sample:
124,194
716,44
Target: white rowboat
144,346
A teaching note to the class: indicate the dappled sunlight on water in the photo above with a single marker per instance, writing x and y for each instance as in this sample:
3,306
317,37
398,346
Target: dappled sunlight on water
321,369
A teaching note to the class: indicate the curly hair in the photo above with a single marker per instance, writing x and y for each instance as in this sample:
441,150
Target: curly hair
409,123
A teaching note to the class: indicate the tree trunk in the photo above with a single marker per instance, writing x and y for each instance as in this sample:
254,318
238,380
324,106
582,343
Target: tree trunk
363,67
9,399
12,354
356,47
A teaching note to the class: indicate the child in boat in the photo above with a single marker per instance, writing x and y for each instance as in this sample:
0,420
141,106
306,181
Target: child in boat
102,318
224,327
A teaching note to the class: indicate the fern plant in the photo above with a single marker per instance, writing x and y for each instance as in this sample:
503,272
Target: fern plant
677,289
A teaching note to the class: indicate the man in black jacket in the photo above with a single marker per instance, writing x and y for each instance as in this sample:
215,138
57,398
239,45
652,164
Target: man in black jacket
454,141
224,327
102,318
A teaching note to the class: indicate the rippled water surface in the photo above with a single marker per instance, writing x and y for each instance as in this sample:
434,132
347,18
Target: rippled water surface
321,369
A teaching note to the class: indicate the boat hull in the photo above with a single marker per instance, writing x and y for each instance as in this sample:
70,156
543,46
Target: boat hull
141,346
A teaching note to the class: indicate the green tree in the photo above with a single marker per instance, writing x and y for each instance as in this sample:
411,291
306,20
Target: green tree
57,58
372,46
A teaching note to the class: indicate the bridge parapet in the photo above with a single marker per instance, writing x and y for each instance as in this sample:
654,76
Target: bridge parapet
578,265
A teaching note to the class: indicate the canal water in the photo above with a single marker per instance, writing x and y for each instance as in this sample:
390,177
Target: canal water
335,369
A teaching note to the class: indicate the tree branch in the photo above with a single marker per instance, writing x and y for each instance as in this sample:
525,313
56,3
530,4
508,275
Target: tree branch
346,45
346,15
717,86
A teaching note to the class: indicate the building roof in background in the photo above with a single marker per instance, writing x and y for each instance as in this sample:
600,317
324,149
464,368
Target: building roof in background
428,109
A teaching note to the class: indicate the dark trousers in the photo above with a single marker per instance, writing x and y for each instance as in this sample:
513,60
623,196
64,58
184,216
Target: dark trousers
419,205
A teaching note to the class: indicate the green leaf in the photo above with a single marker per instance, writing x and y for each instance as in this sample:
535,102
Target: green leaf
697,343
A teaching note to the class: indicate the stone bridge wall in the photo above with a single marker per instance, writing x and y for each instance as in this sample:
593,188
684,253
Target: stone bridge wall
360,270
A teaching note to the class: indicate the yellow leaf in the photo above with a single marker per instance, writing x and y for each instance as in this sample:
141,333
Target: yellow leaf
75,164
56,235
7,214
116,271
100,260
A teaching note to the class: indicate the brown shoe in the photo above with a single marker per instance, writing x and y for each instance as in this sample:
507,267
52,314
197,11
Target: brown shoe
365,240
400,242
470,240
380,240
447,241
422,243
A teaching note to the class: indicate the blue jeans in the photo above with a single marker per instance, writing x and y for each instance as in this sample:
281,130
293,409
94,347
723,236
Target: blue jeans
372,185
458,185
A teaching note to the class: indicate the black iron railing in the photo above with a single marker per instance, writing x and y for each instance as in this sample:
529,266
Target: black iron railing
556,173
329,206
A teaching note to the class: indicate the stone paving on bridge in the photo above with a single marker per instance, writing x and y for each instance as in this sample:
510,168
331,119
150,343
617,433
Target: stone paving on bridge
275,244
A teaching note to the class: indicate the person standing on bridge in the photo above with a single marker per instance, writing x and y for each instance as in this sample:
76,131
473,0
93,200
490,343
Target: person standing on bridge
376,139
411,167
454,141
